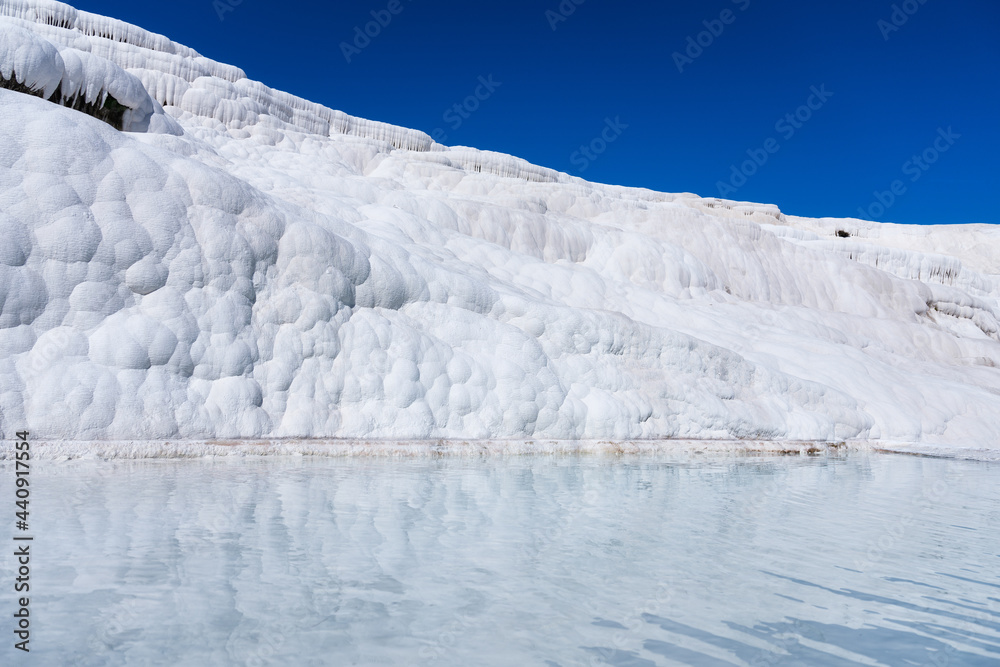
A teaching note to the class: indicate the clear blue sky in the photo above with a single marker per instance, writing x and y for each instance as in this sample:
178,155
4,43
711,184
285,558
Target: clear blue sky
892,90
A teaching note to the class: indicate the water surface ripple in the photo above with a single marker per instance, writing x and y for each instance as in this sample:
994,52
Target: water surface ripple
864,559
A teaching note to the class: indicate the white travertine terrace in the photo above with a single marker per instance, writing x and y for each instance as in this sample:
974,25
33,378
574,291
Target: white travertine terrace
243,263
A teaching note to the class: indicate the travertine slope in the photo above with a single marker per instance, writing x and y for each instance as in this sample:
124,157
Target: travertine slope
240,262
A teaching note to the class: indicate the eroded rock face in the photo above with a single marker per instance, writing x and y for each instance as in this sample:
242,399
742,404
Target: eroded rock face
243,263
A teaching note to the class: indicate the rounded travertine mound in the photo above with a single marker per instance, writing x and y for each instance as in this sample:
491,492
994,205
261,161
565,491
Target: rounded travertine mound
248,264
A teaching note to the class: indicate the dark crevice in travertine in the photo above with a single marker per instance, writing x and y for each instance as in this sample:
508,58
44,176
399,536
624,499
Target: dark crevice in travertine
111,111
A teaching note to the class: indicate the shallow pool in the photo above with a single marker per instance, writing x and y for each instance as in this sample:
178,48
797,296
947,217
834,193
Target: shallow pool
862,559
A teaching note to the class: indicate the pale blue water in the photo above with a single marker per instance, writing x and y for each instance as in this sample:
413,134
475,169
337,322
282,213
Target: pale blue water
861,560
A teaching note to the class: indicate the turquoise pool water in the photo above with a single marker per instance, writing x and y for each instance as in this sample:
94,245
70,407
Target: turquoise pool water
863,559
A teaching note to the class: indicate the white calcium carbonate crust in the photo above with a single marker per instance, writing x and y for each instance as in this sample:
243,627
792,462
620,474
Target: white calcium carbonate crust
242,263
